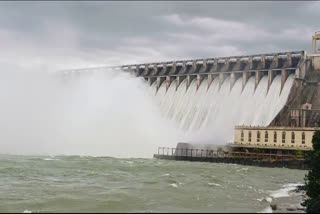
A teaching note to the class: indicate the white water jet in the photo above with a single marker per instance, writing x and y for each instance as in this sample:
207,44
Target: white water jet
209,116
109,113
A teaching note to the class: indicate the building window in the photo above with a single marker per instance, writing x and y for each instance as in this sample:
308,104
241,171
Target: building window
274,137
303,137
242,136
249,136
258,136
283,137
266,136
292,137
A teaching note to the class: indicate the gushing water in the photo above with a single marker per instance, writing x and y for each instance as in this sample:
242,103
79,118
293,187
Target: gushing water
209,116
107,113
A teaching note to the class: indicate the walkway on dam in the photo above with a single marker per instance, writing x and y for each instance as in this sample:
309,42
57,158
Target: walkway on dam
242,158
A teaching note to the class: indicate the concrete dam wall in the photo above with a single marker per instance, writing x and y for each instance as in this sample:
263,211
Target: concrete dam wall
206,98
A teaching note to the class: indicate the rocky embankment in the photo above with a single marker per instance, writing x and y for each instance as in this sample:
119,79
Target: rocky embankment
290,203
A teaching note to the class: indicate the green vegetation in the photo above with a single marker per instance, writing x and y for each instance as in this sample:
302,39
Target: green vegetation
312,179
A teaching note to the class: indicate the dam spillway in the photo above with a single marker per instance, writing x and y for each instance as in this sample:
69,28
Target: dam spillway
204,113
206,98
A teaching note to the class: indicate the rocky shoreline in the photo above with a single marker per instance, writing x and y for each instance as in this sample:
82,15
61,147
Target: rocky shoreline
290,204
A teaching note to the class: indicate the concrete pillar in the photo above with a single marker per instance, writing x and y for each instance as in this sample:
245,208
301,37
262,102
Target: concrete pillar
270,78
315,63
263,62
159,82
164,68
258,76
199,80
184,68
275,62
194,66
289,60
168,81
245,77
237,66
146,69
250,63
155,69
226,65
179,79
174,68
137,70
204,66
284,76
315,38
215,65
188,81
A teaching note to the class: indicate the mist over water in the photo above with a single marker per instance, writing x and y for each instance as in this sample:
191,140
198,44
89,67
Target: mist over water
99,112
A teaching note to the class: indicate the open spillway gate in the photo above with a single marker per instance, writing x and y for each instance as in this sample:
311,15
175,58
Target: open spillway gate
284,64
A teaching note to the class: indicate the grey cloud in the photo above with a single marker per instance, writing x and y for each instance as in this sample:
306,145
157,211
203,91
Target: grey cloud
60,35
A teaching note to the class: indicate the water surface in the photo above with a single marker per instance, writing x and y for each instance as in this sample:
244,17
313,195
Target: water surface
105,184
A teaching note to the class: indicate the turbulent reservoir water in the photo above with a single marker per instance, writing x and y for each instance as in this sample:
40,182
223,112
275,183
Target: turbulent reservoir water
105,184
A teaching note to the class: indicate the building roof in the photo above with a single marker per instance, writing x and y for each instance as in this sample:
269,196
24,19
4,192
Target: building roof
280,128
234,145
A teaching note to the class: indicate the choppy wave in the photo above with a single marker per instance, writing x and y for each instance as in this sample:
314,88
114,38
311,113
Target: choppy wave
103,184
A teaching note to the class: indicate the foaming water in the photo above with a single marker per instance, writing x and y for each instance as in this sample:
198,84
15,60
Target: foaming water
209,115
99,112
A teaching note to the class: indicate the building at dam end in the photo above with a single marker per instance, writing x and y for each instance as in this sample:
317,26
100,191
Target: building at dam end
274,137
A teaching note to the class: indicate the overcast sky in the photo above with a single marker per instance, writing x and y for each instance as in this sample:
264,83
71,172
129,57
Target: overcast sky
62,35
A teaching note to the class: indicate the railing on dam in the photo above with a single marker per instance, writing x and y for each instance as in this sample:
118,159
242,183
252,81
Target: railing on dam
166,153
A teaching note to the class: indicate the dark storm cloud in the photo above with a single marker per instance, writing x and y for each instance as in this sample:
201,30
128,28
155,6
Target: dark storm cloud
56,35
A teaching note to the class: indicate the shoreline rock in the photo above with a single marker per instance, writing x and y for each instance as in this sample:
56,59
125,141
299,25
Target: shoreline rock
291,204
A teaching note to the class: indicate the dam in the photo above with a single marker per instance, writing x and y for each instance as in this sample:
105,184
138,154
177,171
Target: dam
207,98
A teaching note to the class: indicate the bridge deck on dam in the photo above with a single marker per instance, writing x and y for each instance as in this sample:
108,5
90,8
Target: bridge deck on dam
230,64
235,67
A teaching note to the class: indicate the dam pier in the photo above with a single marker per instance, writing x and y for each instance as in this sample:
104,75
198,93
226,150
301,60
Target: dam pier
175,72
